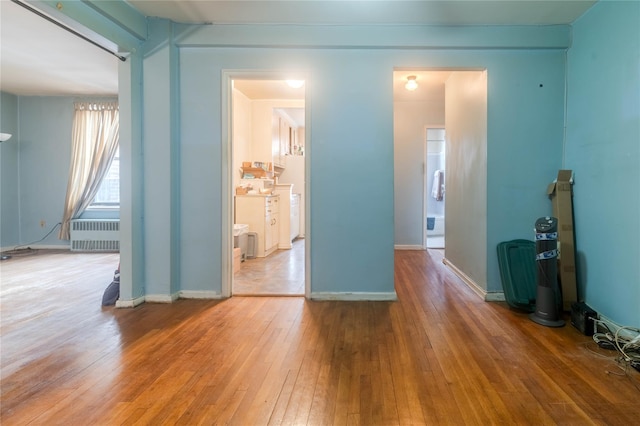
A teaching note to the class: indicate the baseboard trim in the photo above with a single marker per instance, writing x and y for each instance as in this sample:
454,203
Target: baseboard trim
130,303
36,247
161,298
614,326
495,296
466,279
165,298
50,246
390,296
193,294
408,247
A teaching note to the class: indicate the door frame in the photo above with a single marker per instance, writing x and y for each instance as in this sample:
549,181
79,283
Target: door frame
425,176
227,192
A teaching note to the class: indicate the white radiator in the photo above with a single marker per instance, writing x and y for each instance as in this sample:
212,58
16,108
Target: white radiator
95,235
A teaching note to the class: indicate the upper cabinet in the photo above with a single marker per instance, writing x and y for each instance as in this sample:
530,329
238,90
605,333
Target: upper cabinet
280,139
284,135
272,127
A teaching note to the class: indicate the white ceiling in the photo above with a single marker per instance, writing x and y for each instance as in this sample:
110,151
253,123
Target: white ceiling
39,58
268,89
426,12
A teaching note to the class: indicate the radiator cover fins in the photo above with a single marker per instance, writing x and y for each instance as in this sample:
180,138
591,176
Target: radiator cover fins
95,235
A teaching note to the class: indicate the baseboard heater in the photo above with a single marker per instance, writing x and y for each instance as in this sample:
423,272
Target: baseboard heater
101,235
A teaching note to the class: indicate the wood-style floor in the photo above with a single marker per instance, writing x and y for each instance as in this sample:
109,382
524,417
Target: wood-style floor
279,274
438,355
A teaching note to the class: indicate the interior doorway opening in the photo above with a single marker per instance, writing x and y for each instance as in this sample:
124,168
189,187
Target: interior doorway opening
441,113
419,123
268,186
435,164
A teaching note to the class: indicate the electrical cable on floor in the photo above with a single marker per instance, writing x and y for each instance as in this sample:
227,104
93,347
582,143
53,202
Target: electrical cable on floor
24,249
617,360
627,348
601,355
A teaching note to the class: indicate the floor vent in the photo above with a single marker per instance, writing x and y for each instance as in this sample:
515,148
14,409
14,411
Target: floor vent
95,235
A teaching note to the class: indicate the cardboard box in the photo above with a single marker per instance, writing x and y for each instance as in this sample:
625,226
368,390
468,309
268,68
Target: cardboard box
237,259
256,173
561,195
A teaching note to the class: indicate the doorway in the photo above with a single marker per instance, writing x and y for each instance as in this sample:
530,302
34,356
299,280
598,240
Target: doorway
434,211
267,185
425,99
419,115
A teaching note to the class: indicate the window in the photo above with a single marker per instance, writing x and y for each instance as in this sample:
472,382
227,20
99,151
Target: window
109,192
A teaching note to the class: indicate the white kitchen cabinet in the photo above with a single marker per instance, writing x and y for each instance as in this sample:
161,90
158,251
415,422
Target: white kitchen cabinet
295,174
285,193
261,213
279,140
294,221
284,137
289,214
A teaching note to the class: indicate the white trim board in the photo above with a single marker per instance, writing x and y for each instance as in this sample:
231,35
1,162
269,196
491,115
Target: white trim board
194,294
130,303
409,247
165,298
38,247
161,298
627,333
486,296
364,296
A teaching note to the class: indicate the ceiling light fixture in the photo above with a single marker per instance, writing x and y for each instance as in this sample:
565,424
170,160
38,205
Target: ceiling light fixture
412,84
5,137
296,84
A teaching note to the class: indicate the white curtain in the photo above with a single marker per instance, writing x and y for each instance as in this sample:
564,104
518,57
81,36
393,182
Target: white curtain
95,138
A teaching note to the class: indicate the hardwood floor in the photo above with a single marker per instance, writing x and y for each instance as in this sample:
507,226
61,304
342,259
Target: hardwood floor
279,274
438,355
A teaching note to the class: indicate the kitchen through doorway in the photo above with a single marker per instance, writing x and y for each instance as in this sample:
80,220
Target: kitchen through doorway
268,186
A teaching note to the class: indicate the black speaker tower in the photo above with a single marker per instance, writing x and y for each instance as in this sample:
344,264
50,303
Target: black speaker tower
548,297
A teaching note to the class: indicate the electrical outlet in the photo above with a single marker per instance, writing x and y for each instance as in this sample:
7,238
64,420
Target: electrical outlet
43,223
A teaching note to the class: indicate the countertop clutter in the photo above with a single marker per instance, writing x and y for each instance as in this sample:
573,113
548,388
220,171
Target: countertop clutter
257,170
256,178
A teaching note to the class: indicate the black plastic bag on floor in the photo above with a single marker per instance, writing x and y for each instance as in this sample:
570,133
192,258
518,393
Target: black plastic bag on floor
112,292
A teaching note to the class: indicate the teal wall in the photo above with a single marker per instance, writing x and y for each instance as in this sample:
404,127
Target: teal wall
45,150
351,152
157,171
173,98
132,248
9,173
35,167
603,150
